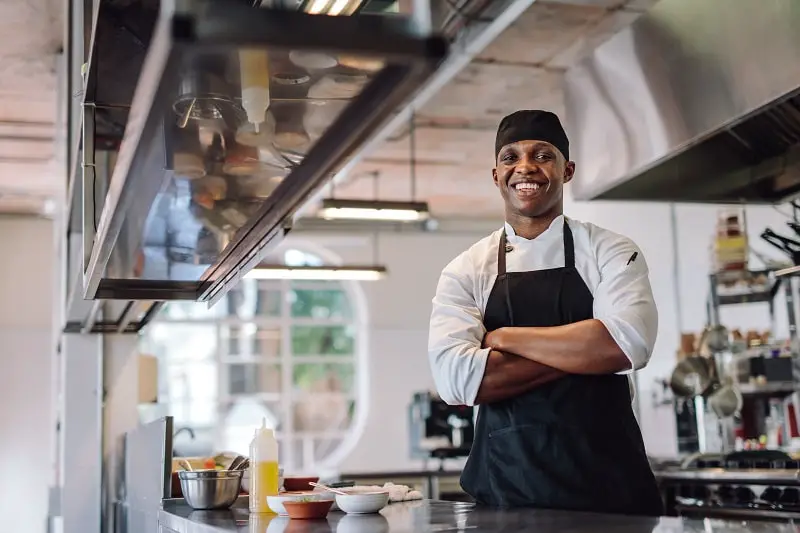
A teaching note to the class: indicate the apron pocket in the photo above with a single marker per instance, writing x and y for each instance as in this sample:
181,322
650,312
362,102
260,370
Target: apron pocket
535,465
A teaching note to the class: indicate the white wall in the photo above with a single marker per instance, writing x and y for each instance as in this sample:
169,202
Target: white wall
399,308
27,296
399,311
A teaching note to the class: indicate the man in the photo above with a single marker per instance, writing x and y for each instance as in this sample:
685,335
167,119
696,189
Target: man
538,324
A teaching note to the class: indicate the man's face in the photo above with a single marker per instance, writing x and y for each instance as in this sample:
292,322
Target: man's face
524,170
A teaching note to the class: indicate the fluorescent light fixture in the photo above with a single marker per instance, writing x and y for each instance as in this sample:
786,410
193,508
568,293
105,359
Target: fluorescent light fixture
332,7
374,210
353,273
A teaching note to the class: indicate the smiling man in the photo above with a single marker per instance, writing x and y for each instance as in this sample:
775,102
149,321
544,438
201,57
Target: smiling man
539,323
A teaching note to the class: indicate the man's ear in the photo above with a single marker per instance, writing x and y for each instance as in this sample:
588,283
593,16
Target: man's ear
494,177
569,171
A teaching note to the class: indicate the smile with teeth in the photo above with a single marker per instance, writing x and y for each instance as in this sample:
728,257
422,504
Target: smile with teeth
527,187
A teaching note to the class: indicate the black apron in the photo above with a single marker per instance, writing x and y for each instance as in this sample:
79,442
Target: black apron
573,443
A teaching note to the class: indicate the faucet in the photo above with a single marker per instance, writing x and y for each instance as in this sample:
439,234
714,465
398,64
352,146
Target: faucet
182,429
187,429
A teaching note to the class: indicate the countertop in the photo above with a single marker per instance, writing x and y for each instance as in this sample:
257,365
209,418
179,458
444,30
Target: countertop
439,516
715,475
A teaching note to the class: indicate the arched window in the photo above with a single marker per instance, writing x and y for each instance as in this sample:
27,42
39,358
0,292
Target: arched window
286,351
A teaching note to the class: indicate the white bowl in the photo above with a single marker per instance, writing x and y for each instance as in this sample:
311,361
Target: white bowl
275,503
362,503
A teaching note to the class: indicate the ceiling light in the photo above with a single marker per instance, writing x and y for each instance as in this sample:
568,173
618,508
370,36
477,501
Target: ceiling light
374,210
353,273
332,7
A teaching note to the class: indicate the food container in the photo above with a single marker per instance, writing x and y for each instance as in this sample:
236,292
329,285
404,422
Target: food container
297,483
210,489
275,503
362,502
308,509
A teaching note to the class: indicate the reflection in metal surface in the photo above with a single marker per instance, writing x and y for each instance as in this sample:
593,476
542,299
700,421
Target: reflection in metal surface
224,168
696,101
438,516
239,115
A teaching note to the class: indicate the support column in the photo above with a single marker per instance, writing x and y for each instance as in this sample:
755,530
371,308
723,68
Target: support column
81,433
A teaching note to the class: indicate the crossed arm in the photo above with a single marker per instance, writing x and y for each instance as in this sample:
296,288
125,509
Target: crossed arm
524,358
473,367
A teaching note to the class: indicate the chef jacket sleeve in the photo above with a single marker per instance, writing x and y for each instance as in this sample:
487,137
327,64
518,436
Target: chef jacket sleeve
623,299
456,333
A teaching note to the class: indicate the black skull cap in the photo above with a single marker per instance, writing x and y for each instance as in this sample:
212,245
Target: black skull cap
532,125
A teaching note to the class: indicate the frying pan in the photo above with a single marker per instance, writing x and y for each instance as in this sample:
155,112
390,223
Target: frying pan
692,376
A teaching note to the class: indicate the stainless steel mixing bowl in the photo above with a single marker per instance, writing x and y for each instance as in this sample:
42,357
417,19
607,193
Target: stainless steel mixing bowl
210,489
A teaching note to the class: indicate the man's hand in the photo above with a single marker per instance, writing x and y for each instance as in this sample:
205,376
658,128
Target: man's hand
508,375
492,339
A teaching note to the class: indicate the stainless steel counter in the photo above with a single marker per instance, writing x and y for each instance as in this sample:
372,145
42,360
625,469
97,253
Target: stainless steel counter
722,475
438,516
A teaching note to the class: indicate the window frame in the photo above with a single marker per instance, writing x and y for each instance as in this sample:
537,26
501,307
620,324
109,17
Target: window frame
286,399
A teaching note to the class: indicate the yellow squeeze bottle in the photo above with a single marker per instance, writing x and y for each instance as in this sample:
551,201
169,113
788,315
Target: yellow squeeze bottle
264,477
254,75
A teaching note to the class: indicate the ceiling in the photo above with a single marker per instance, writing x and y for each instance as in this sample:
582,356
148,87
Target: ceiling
31,33
454,132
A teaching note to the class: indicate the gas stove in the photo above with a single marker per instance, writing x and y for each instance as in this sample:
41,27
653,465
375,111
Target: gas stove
741,484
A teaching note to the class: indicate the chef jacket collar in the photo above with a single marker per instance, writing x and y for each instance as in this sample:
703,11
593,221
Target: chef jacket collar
550,232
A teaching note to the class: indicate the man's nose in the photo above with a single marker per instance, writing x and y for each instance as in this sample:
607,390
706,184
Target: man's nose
527,165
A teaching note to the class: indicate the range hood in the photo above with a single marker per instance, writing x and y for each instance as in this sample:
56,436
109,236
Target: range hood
696,101
200,179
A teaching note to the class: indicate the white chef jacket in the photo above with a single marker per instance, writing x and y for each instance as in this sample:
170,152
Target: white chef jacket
623,298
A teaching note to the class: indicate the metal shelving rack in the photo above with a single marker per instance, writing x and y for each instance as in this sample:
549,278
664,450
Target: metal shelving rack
717,300
788,274
776,281
780,280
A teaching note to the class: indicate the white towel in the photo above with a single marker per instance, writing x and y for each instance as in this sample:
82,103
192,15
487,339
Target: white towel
397,493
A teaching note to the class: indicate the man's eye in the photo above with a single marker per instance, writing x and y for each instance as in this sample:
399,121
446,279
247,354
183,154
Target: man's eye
543,157
508,158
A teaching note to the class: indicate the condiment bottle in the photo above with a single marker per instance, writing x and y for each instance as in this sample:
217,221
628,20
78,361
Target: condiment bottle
254,73
264,477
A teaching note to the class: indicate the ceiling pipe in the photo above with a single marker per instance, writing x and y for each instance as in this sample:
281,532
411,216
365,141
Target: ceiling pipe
472,41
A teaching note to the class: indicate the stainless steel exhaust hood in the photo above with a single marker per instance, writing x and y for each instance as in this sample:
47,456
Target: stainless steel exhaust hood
697,101
219,120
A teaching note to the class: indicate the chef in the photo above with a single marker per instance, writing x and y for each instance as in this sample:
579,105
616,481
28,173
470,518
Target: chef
538,324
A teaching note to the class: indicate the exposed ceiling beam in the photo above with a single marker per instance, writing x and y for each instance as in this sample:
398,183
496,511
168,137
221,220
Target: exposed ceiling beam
28,177
405,162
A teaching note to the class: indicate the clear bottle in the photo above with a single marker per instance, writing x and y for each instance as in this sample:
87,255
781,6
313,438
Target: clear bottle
264,473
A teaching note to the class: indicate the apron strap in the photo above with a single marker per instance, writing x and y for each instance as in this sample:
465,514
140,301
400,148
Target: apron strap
569,262
569,246
501,254
501,275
